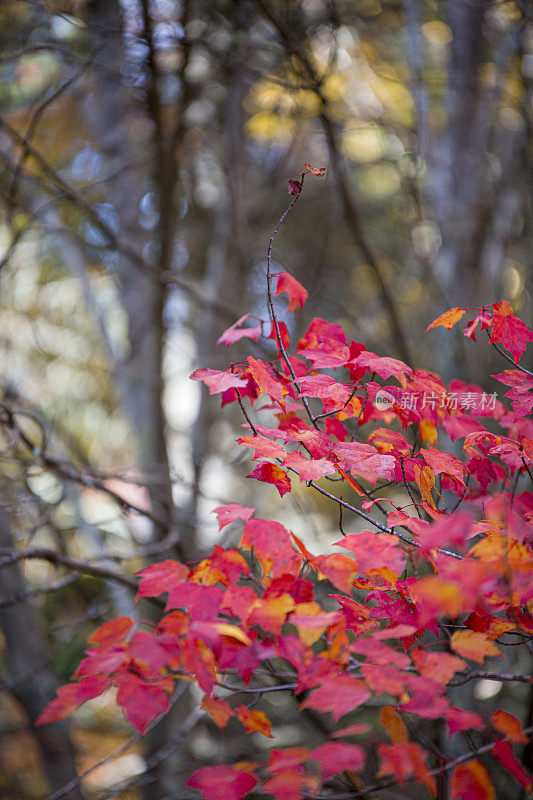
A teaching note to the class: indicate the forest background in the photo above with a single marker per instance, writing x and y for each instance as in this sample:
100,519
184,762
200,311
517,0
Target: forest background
145,148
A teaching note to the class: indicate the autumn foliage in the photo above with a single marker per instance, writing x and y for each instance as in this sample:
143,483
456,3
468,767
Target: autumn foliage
429,595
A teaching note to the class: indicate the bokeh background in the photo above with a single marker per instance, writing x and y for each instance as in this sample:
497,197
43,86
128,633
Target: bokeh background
145,147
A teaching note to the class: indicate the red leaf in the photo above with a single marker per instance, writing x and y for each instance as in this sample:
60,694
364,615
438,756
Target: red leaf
288,758
384,366
283,335
70,697
471,781
405,760
160,578
202,602
141,702
231,512
335,757
309,469
339,569
444,463
459,720
262,375
324,386
271,473
374,551
288,784
504,753
297,293
440,667
112,632
320,333
509,330
364,458
272,545
217,381
338,695
263,447
223,782
236,332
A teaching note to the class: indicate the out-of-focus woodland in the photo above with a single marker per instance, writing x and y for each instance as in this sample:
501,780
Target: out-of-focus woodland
145,147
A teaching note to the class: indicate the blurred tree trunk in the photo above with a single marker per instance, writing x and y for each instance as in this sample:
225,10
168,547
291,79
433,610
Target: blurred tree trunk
31,681
139,375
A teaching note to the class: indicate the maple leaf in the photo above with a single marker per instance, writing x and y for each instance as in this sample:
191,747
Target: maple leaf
459,720
394,725
384,366
69,698
288,758
160,578
364,458
406,760
297,293
448,319
509,725
284,336
440,667
509,330
336,757
324,386
271,473
471,781
287,784
374,551
444,463
484,317
218,381
202,602
142,703
309,469
266,382
338,695
504,753
111,633
223,782
231,512
218,710
321,333
272,545
236,332
337,568
474,646
270,614
263,447
254,721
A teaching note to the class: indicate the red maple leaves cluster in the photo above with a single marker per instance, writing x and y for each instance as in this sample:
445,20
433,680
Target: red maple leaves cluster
415,603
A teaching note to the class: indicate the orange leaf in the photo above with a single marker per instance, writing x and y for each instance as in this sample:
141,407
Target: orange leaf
448,319
254,721
218,710
394,725
510,725
473,645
